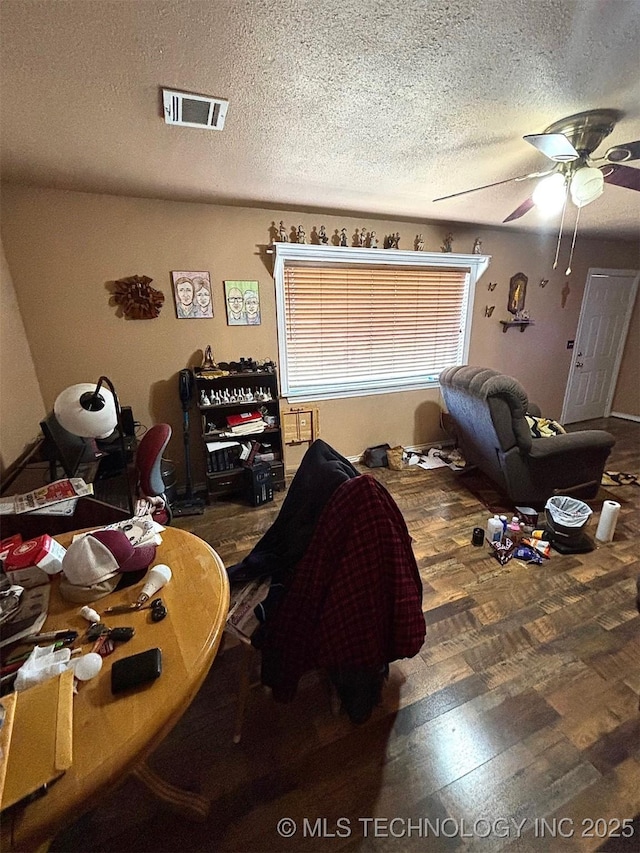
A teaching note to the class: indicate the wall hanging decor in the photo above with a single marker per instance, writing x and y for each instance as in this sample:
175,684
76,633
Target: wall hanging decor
242,299
492,285
517,292
136,297
192,292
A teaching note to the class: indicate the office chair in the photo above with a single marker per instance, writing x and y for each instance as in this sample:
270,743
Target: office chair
150,484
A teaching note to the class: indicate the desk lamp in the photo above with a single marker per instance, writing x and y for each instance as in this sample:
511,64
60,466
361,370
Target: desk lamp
92,411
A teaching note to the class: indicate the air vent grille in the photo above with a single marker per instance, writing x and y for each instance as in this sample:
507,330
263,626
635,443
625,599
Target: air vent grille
191,110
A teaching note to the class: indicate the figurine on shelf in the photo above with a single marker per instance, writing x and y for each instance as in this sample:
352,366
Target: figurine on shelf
207,362
204,401
477,247
282,233
447,245
362,240
396,240
373,240
419,243
323,237
343,237
302,237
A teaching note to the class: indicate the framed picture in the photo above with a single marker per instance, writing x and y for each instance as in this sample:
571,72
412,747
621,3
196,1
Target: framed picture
192,292
242,299
517,292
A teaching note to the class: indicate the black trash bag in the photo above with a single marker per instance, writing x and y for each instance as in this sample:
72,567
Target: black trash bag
376,457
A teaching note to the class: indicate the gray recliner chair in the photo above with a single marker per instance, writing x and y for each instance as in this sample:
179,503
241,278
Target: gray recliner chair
488,410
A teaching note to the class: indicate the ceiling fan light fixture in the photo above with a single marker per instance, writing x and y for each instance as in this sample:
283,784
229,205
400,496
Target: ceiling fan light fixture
549,194
555,146
587,184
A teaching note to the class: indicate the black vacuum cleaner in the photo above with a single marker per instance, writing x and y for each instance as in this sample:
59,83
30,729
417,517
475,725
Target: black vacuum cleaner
190,504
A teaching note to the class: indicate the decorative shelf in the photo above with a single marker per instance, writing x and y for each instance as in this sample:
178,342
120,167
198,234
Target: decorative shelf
508,324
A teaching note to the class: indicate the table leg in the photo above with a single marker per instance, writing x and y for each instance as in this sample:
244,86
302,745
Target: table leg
194,805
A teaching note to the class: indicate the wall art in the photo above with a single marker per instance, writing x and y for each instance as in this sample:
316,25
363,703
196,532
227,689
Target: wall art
517,292
242,299
192,292
136,297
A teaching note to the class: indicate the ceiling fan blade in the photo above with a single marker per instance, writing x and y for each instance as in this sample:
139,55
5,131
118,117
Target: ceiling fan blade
525,207
555,146
486,186
621,176
623,153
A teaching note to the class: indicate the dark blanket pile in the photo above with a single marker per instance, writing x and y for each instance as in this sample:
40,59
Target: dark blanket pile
321,471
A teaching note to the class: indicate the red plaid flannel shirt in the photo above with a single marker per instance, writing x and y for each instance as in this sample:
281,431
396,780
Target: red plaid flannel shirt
355,598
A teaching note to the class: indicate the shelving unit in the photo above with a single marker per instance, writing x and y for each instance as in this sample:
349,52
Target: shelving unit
509,324
248,392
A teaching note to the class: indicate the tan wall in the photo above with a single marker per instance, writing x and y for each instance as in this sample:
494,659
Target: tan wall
63,249
21,407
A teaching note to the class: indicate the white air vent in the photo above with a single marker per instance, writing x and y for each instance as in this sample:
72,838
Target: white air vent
194,110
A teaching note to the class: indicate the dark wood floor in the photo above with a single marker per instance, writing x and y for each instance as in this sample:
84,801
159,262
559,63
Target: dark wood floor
522,707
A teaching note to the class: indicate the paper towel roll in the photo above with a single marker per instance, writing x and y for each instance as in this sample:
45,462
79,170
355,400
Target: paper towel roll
608,519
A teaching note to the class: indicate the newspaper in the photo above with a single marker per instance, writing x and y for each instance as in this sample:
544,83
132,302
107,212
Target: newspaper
53,493
241,620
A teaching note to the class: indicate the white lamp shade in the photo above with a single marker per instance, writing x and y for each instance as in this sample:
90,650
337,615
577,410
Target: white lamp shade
75,418
549,194
586,185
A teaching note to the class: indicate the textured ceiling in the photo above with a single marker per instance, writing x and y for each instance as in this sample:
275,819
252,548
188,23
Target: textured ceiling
362,107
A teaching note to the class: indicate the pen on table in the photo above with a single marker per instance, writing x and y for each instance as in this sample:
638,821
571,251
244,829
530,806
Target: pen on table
50,637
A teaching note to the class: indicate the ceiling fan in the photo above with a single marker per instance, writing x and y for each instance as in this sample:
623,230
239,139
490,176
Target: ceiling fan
576,175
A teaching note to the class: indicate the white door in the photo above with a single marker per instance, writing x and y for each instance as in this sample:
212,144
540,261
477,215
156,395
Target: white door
602,330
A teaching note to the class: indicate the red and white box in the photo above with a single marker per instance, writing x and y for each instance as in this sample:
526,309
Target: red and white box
7,545
31,563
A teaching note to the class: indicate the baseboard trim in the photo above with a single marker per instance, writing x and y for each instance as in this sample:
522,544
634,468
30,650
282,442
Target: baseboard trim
625,417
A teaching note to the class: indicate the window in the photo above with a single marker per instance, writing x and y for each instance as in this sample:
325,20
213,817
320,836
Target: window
361,321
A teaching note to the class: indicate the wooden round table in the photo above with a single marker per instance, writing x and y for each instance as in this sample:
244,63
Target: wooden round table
112,735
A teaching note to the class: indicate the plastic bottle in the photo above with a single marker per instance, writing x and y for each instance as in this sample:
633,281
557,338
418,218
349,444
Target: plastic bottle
494,529
503,519
514,531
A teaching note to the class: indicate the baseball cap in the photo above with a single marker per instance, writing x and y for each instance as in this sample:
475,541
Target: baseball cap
96,564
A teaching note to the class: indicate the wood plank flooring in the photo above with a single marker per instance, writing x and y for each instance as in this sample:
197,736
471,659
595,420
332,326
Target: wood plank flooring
515,728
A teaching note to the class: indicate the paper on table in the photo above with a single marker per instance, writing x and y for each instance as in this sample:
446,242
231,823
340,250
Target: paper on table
60,490
139,530
62,508
7,506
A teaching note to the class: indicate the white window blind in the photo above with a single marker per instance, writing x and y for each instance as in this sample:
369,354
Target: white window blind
356,328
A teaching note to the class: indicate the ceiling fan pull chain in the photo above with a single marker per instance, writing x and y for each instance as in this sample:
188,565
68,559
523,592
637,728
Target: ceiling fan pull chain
573,242
564,209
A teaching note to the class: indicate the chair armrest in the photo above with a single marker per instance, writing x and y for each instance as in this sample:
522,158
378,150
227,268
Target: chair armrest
556,445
